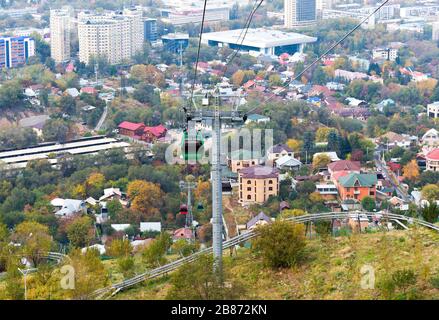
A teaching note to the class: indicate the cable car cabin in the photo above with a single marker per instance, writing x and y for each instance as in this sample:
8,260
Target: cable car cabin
191,146
183,209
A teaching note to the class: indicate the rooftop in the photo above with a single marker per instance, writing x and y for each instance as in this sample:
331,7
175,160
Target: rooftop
358,180
433,154
259,37
259,172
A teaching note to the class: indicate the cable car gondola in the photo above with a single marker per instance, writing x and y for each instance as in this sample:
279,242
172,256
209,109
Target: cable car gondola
183,209
191,146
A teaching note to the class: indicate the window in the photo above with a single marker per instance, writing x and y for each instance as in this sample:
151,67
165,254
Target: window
249,182
270,188
249,197
249,188
270,181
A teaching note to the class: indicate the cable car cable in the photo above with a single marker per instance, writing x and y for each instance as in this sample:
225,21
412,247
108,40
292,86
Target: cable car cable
326,52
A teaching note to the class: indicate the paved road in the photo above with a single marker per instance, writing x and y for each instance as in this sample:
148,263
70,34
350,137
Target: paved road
102,119
390,176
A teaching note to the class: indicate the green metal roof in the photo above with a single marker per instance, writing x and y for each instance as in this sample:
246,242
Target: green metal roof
358,180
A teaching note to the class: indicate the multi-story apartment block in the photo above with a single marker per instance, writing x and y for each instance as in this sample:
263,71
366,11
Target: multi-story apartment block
385,54
60,34
14,51
150,30
117,36
257,184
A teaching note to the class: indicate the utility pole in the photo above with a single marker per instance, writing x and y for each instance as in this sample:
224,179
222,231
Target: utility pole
217,117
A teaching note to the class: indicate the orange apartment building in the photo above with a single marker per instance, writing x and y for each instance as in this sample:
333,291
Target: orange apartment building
257,184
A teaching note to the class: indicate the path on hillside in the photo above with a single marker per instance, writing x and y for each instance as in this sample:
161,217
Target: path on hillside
102,119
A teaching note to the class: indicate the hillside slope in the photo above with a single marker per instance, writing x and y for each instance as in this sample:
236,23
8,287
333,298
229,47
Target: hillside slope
333,270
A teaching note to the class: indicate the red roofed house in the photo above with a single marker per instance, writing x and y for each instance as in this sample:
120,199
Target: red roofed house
432,159
89,90
151,134
395,167
182,233
131,129
249,84
141,132
344,165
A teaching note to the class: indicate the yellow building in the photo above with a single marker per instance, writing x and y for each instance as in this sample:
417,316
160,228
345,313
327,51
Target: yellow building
257,184
240,159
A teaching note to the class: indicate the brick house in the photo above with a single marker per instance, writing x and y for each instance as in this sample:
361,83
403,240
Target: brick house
357,186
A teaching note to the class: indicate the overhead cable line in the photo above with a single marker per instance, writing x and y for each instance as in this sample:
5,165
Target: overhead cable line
199,48
326,52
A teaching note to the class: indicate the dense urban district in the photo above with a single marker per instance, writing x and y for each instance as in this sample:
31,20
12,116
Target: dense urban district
93,93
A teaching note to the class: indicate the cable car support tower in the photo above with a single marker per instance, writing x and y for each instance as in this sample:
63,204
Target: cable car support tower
212,113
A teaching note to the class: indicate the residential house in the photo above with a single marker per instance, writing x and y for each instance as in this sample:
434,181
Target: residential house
257,118
357,186
433,110
150,226
239,159
73,92
288,163
432,160
68,207
344,165
257,184
259,220
141,132
278,151
113,194
353,102
392,139
182,233
431,138
131,129
283,205
327,191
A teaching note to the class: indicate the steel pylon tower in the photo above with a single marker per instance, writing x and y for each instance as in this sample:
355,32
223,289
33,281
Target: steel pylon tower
189,186
217,117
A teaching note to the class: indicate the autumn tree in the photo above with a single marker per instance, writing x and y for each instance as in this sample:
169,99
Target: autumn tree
294,144
95,183
35,240
323,133
430,192
411,171
148,74
280,244
198,281
119,248
146,197
285,214
90,273
154,254
80,231
321,161
184,248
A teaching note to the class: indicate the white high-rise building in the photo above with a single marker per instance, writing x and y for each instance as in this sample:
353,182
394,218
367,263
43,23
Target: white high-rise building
435,31
300,13
60,34
117,36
